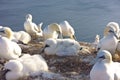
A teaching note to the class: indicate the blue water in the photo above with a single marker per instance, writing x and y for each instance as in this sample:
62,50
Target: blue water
88,17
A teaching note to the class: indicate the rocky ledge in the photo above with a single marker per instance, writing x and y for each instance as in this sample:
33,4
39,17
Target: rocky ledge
60,68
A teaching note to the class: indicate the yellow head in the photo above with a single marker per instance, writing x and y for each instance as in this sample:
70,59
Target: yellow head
104,55
111,26
57,28
8,32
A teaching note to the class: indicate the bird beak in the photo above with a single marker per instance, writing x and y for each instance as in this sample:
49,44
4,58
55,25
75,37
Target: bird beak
42,51
74,37
81,48
98,49
21,55
103,57
93,61
5,71
114,34
60,35
2,31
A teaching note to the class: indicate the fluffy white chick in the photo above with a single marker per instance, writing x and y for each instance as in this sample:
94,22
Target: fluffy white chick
27,65
20,36
14,70
61,47
9,49
37,62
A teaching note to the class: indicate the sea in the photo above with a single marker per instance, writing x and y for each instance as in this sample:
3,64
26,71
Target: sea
87,17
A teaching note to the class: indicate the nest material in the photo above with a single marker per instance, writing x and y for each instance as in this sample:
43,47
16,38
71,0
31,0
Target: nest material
71,68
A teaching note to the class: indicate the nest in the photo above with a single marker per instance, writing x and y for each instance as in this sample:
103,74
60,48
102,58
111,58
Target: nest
71,68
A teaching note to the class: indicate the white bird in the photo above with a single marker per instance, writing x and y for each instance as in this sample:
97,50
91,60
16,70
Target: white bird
115,27
105,68
20,36
110,41
25,66
1,31
31,28
52,31
61,47
38,62
67,30
13,69
9,49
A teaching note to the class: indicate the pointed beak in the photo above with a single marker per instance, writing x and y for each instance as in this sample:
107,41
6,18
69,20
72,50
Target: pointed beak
103,57
21,55
74,37
94,61
43,49
98,49
2,31
60,35
114,34
5,71
81,48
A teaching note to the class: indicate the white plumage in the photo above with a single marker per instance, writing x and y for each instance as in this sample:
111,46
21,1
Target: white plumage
32,28
110,40
67,30
61,47
114,26
52,31
15,70
22,36
9,49
105,68
25,66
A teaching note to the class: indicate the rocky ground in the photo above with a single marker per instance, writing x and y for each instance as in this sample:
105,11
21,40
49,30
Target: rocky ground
62,68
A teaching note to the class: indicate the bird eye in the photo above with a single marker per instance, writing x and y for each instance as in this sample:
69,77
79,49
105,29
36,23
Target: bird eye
111,31
2,31
103,57
98,49
47,45
7,70
81,48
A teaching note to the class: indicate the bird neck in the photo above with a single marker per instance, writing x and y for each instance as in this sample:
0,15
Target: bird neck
56,28
9,34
